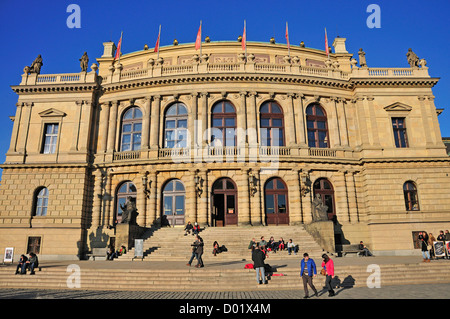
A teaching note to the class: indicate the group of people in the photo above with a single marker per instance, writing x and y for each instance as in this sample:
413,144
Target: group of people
426,244
308,270
197,252
274,246
26,263
111,253
194,229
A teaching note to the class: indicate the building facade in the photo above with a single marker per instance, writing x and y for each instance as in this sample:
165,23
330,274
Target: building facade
227,140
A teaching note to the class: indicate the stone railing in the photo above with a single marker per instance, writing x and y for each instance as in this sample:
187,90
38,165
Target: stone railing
128,155
389,72
274,151
321,152
158,70
63,78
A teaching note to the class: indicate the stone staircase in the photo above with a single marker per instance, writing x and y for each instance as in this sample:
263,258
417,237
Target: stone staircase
170,244
208,279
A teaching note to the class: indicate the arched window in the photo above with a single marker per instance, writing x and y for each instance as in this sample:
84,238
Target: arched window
126,191
272,124
223,124
41,202
175,126
316,121
275,200
130,137
411,198
174,202
324,189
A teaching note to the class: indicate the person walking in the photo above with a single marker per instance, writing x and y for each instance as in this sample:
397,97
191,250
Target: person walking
199,252
423,239
328,266
307,272
258,257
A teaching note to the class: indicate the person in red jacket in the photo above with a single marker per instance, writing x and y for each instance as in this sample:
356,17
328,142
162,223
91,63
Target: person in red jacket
328,265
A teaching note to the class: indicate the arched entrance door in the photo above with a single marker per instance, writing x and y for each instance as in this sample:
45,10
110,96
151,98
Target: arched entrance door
276,202
224,203
126,189
324,188
173,202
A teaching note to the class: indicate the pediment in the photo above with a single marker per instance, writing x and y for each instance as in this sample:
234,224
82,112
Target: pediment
52,113
398,106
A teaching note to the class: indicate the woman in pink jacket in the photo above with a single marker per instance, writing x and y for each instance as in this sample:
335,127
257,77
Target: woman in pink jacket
328,265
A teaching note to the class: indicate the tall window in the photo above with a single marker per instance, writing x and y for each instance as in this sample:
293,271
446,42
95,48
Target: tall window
174,202
316,121
272,124
275,201
224,124
410,194
175,127
131,130
399,127
50,138
41,202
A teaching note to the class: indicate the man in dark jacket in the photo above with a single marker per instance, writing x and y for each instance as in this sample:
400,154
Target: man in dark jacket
32,263
199,251
308,270
258,257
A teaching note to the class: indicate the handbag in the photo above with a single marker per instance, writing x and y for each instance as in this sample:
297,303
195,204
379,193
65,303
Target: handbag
323,272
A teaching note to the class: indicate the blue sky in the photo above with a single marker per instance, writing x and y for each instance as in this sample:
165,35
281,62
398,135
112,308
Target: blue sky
29,28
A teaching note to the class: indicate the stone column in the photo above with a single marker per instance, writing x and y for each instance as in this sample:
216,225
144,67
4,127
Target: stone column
76,127
204,137
85,127
252,127
290,123
294,197
154,125
24,127
373,130
351,195
307,200
299,114
141,202
203,214
146,124
340,103
15,131
112,127
152,215
98,198
256,213
434,119
341,196
104,124
244,196
191,198
361,121
192,125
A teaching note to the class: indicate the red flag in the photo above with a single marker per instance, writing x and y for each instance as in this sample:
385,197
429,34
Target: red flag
119,46
287,37
326,43
244,38
198,41
157,40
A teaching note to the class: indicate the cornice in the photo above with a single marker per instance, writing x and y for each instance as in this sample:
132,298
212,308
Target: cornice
55,88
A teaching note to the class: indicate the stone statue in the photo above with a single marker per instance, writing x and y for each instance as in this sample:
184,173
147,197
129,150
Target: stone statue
35,66
412,58
84,62
320,210
362,58
129,211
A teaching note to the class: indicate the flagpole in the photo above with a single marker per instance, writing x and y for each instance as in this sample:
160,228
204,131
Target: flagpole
287,38
201,39
245,39
159,42
120,49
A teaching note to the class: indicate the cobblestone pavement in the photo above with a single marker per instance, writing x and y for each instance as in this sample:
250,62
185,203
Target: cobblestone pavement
431,291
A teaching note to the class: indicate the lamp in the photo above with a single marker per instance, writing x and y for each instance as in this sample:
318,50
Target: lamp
145,184
252,183
306,184
198,184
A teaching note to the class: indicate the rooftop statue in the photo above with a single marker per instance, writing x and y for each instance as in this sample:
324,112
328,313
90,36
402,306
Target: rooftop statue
362,58
412,58
84,62
35,66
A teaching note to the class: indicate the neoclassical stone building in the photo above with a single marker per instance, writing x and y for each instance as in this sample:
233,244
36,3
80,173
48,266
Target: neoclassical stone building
226,140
